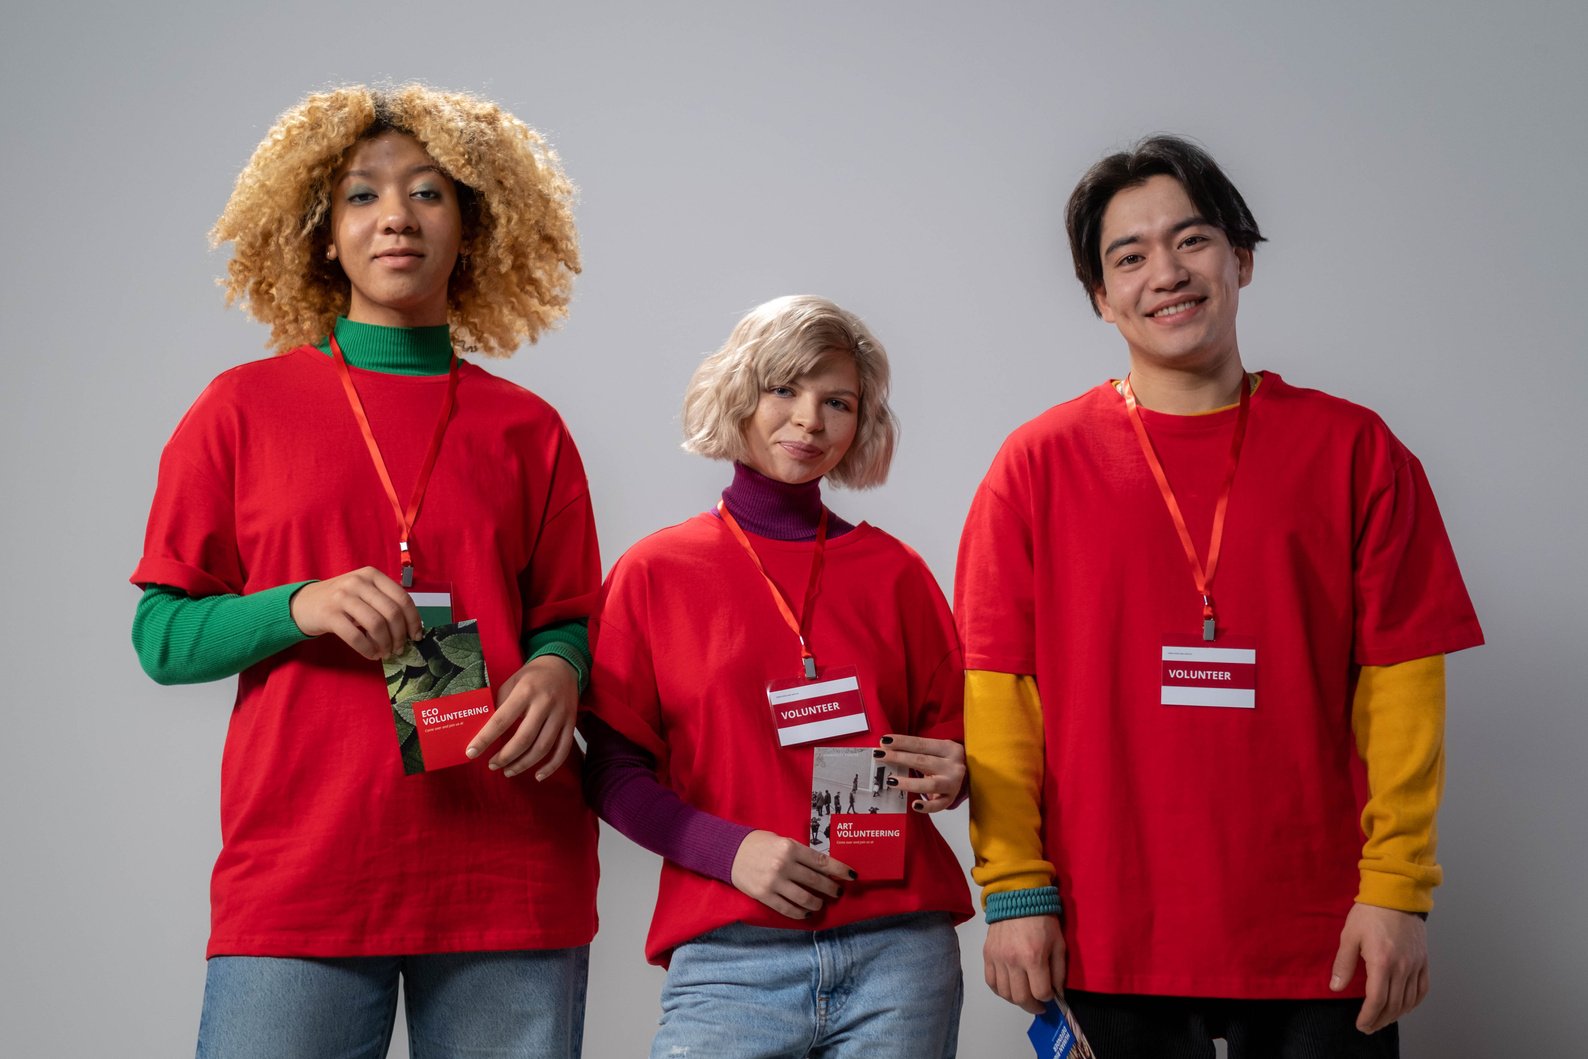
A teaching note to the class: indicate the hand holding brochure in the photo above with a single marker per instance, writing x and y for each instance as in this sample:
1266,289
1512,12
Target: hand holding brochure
440,696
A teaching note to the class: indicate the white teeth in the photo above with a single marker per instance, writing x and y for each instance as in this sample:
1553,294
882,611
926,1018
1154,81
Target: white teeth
1175,310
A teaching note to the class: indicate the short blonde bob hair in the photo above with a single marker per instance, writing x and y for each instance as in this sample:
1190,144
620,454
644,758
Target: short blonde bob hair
520,250
775,343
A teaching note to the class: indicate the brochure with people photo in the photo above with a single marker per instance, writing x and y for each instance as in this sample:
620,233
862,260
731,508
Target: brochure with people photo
1056,1035
855,816
440,696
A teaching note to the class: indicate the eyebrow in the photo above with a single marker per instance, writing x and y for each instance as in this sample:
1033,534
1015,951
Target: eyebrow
1126,240
366,174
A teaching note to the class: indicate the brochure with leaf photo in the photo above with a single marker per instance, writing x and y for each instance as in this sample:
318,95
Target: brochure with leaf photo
440,696
855,815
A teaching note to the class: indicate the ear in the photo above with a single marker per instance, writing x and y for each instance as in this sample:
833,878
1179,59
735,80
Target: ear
1100,299
330,252
1244,257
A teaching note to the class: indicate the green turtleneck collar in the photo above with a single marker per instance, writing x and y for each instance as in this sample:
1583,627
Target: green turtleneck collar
393,350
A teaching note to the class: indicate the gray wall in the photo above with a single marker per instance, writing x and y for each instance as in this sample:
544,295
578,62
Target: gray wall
1418,167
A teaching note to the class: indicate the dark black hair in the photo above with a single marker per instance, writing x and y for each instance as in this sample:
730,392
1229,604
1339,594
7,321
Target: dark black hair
1205,184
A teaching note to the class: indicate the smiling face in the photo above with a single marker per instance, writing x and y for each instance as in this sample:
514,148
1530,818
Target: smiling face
395,230
1171,280
802,428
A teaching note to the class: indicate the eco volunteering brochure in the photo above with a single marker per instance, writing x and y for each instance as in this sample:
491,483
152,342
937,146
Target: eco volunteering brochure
1056,1035
440,696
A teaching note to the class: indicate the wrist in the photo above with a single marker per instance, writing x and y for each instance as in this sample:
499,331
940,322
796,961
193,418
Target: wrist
1017,904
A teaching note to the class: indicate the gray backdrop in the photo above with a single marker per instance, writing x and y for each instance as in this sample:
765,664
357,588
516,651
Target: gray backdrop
1417,166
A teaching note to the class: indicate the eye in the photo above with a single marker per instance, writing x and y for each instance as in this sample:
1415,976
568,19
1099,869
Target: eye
360,195
780,391
838,404
1193,240
429,194
1128,260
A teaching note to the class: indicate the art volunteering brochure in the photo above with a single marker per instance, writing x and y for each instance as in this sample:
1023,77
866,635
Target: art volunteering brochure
855,816
440,696
1055,1034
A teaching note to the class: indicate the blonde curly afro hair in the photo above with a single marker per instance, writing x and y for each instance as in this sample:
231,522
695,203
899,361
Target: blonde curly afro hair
520,250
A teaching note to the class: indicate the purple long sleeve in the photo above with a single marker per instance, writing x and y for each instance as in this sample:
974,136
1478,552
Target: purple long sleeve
620,783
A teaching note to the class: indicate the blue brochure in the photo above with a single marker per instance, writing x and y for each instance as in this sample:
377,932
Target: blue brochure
1055,1035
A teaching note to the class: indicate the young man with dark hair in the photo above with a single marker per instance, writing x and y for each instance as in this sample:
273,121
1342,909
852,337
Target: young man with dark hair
1205,615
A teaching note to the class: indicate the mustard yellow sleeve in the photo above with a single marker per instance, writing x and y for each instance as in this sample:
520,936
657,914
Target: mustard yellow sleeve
1398,716
1004,755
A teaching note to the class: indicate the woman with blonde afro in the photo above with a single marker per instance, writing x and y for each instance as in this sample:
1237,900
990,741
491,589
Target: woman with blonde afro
309,505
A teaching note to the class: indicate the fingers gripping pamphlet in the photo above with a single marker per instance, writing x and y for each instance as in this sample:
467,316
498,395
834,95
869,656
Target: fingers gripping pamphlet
1055,1034
440,696
855,815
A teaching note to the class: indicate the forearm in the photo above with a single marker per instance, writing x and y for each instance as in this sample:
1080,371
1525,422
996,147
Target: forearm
1398,717
620,784
183,640
1004,755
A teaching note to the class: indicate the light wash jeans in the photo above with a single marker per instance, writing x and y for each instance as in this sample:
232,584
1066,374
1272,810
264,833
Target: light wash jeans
879,988
480,1004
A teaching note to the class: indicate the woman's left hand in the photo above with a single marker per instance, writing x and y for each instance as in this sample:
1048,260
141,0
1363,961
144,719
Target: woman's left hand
940,762
542,698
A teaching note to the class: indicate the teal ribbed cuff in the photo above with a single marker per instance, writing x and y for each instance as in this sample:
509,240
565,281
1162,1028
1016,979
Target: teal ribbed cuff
1016,904
569,641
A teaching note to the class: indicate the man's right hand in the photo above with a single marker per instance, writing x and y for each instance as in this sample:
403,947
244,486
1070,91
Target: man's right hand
365,609
1024,960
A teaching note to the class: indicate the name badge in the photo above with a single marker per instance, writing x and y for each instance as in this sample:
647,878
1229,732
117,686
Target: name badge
1197,673
804,711
434,600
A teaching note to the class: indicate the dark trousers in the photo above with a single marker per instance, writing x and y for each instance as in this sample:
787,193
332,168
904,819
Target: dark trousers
1157,1027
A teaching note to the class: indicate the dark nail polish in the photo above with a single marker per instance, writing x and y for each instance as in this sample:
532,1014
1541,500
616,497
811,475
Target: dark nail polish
840,891
919,807
876,753
893,781
852,874
887,740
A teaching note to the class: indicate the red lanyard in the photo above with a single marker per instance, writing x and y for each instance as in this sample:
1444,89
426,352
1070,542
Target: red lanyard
1203,576
405,519
803,623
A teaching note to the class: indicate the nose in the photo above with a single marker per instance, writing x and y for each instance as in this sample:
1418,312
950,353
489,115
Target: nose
809,413
1168,272
397,215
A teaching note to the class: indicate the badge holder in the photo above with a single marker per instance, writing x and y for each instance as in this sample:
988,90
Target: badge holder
827,707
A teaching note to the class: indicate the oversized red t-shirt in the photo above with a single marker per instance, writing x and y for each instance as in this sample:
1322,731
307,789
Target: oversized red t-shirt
686,641
1205,851
327,848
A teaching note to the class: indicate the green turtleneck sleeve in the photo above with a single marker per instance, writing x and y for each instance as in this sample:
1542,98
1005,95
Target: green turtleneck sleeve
183,640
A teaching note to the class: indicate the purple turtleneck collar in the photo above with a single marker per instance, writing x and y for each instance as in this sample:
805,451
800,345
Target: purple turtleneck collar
770,508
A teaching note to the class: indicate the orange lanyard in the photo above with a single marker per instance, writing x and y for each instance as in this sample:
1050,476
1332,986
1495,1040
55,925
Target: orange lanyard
803,623
1202,575
405,519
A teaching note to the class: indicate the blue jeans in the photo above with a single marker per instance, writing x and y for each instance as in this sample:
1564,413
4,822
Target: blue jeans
480,1004
878,988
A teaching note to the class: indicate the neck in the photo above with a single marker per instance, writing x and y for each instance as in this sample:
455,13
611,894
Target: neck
1188,392
767,507
393,350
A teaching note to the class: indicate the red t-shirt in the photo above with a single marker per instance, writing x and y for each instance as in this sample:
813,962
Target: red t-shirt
1205,851
686,641
327,848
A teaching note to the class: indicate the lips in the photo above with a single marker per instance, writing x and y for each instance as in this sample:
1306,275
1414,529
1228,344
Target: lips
400,251
1176,308
800,451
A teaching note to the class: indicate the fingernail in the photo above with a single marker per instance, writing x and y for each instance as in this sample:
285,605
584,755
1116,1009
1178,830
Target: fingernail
495,768
1334,982
840,891
919,807
887,740
893,781
472,753
876,753
541,776
852,874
